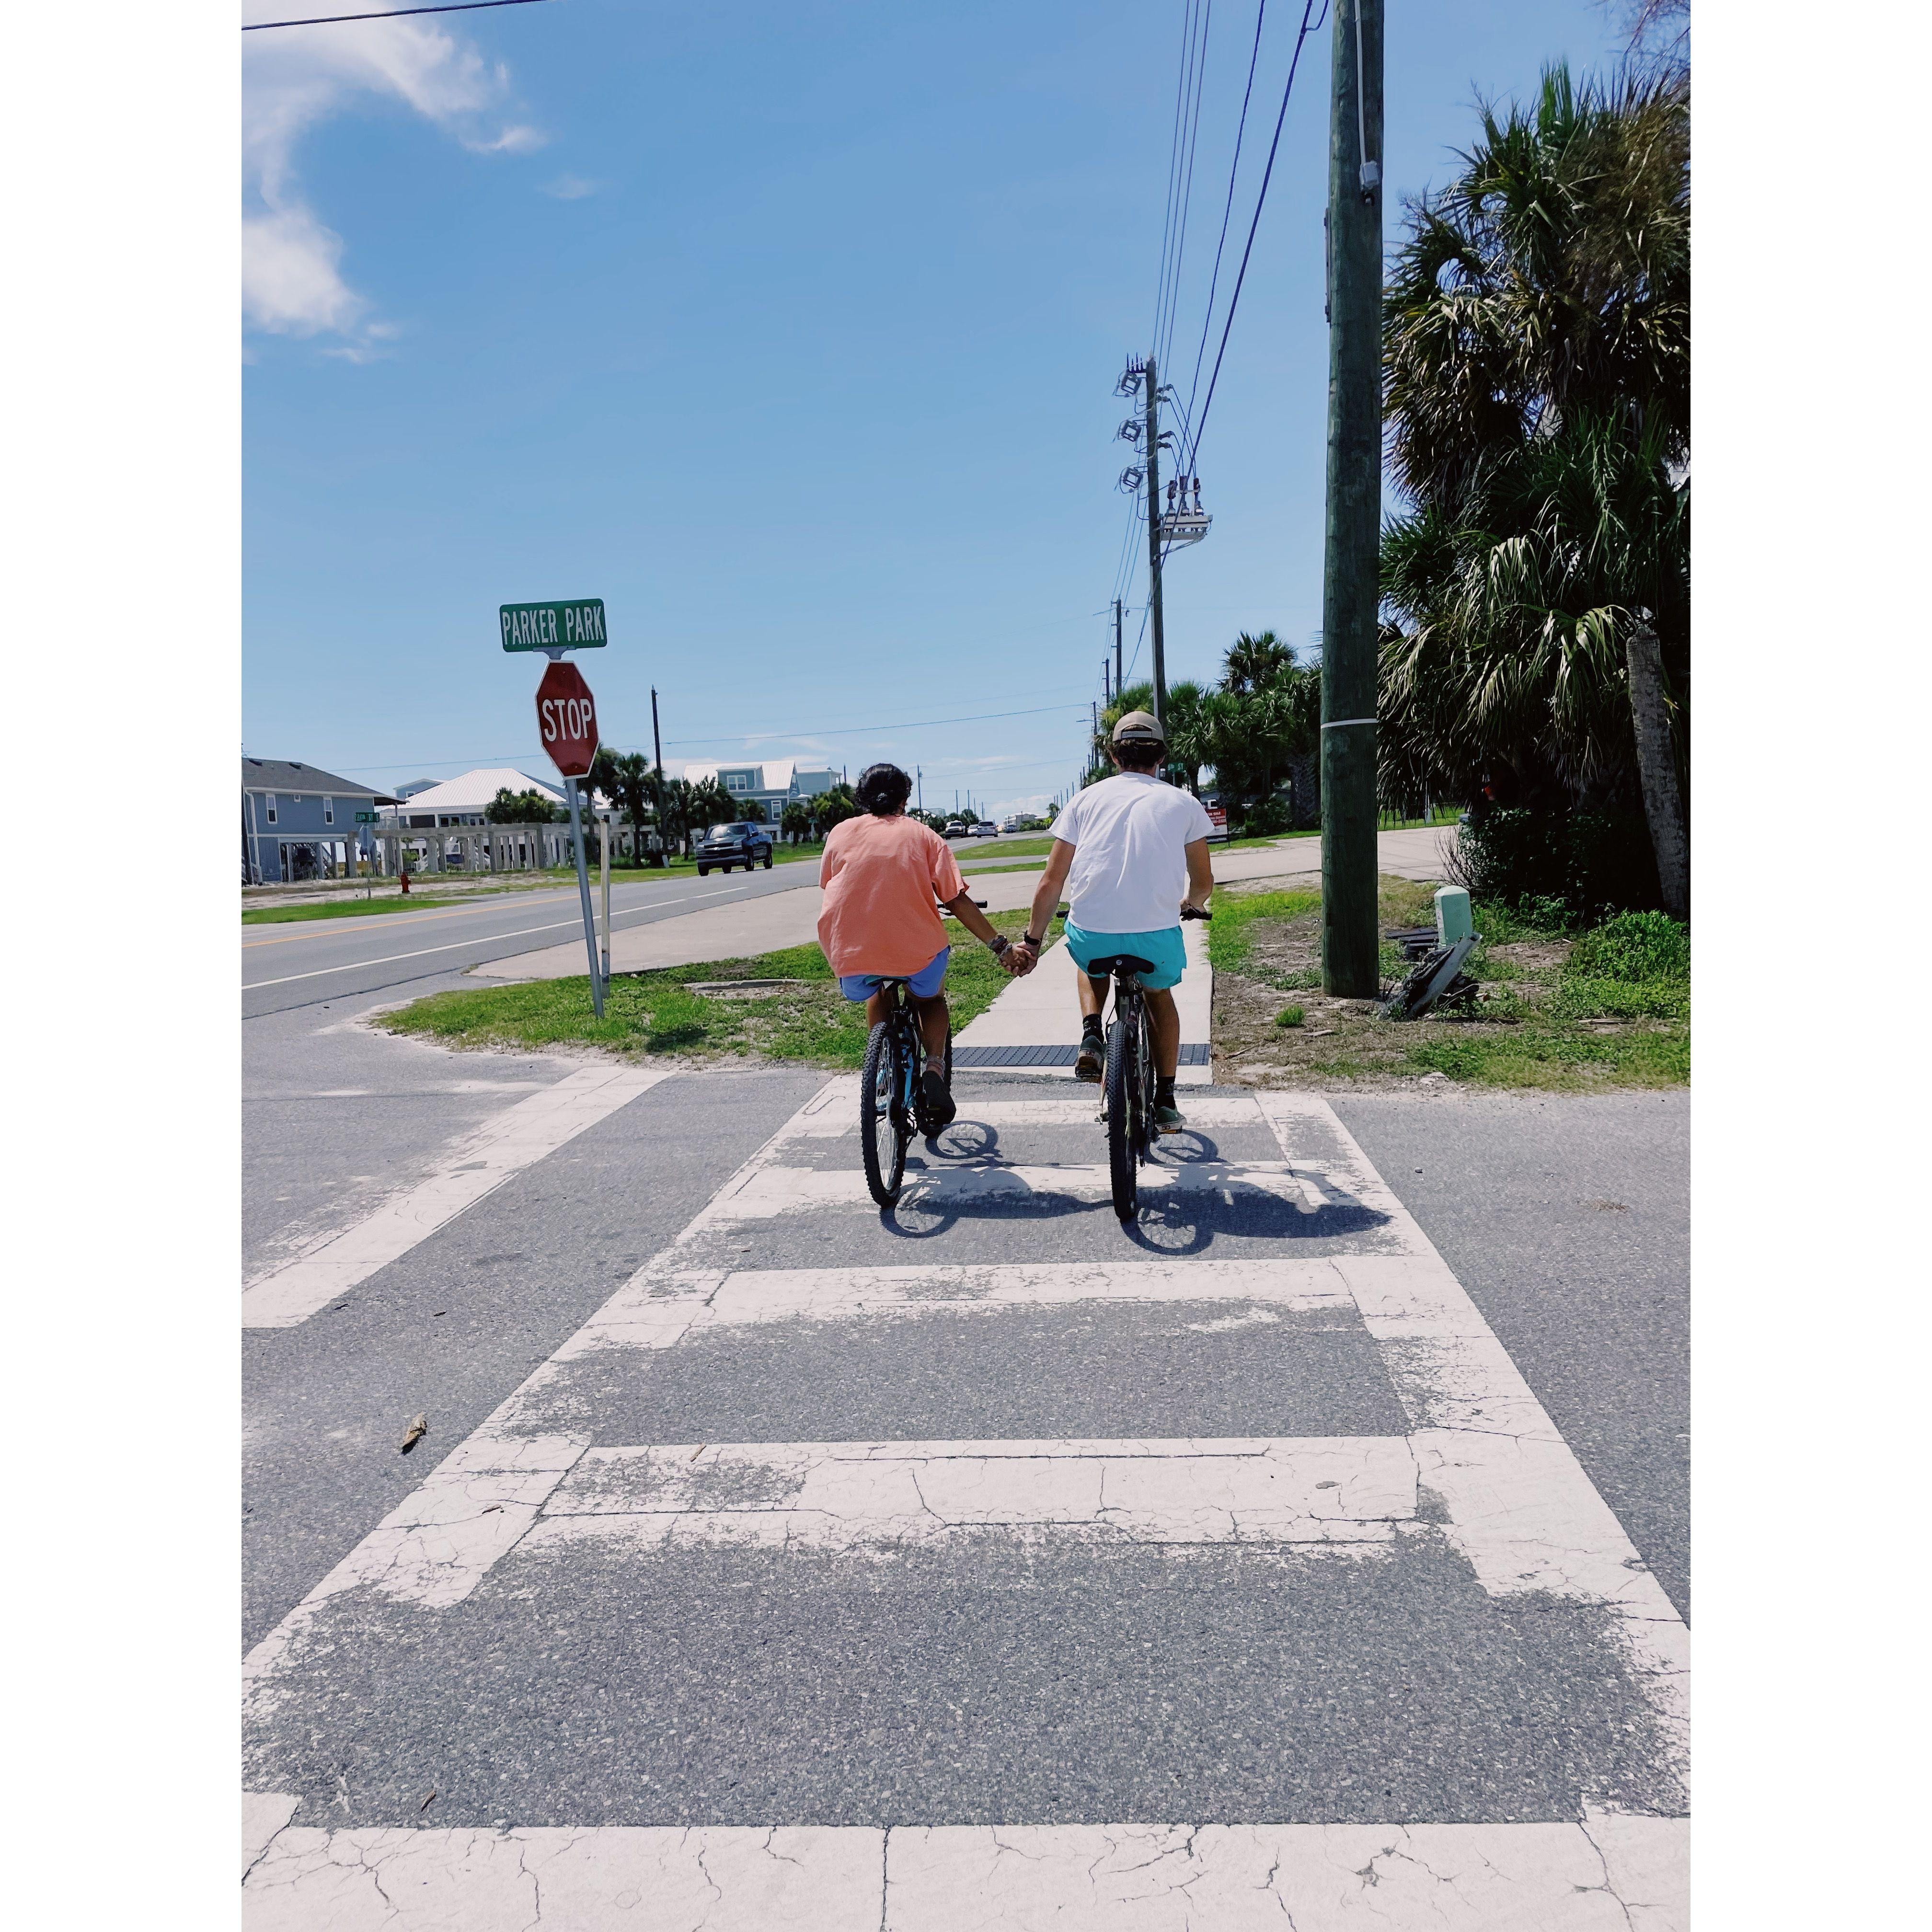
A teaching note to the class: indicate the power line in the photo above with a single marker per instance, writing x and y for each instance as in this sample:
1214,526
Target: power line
854,730
1260,201
1234,169
1173,173
1187,191
393,13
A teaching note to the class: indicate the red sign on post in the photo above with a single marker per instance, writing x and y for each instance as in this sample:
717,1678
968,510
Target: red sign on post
567,717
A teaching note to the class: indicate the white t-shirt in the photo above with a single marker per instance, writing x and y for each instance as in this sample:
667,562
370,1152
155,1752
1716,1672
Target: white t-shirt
1130,834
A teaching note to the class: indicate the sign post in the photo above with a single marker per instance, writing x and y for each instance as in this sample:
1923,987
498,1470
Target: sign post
567,717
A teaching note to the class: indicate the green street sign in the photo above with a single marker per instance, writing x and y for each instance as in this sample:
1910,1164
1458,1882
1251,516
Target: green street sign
368,818
574,624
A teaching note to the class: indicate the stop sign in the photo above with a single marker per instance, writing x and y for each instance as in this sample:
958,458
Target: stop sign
567,717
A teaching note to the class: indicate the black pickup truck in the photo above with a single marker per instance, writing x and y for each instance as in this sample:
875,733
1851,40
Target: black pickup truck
743,843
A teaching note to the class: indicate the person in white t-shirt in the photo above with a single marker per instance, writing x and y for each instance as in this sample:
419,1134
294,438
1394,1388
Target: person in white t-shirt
1130,853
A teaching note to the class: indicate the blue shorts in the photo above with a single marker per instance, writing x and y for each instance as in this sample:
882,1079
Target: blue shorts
926,982
1164,949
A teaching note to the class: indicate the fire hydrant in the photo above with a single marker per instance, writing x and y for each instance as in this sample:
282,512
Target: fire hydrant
405,878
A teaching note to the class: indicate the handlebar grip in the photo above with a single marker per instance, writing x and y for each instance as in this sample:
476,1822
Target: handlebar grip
1206,918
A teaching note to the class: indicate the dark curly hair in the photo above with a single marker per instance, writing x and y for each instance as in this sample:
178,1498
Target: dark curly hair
882,790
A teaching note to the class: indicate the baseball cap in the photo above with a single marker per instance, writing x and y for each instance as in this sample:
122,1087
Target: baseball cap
1139,727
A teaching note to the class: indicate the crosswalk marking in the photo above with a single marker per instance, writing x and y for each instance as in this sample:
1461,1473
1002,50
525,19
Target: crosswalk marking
1342,1490
1597,1874
655,1310
1482,1468
514,1139
776,1191
1521,1508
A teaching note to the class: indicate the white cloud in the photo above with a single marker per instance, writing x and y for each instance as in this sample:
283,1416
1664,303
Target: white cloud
292,82
570,188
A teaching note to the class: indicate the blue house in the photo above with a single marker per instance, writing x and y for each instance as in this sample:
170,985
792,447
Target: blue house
299,821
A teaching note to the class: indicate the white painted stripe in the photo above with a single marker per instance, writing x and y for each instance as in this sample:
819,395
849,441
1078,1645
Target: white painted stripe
1601,1874
656,1310
843,1495
503,1146
1081,1109
1522,1508
264,1813
457,945
440,1542
775,1191
425,1569
539,1879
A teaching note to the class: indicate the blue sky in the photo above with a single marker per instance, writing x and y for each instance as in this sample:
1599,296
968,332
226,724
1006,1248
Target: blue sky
791,331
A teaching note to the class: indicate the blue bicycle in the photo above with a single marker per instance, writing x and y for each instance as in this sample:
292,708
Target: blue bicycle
889,1108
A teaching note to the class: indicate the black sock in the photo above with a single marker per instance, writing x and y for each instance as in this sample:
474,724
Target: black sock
1091,1024
1163,1089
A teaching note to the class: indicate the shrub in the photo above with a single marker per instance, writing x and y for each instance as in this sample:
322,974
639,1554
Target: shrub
1290,1016
1269,819
1588,863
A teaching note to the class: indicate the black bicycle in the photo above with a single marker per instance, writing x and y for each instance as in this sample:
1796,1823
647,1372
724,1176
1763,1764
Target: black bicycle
1129,1079
889,1109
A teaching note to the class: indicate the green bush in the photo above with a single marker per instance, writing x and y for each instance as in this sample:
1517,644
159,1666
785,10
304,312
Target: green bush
1290,1016
1640,946
1558,868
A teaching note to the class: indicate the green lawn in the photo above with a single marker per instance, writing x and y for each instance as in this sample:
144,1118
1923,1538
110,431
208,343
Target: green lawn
1610,1007
356,908
656,1012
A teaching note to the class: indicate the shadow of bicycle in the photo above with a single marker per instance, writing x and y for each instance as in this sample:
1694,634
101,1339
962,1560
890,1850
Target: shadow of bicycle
1191,1194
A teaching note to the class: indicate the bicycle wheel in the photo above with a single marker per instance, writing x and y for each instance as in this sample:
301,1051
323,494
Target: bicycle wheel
1123,1156
881,1140
1144,1088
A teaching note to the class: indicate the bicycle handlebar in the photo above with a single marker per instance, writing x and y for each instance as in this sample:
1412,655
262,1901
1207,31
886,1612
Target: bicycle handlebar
1206,918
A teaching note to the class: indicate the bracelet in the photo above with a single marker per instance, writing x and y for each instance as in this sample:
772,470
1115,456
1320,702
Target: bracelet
999,945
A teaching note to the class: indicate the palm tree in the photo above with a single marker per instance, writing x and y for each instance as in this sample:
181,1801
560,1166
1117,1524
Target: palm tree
1536,359
709,804
624,778
832,808
796,821
1253,662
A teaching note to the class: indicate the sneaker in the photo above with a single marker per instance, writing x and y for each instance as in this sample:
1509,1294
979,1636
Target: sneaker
1168,1118
936,1109
1092,1057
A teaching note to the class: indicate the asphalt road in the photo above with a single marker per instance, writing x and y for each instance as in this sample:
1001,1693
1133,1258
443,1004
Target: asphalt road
309,963
539,1659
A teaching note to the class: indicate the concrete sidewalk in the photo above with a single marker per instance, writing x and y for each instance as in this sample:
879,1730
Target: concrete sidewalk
748,927
1040,1015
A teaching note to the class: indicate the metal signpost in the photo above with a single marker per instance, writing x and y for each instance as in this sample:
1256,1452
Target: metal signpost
567,719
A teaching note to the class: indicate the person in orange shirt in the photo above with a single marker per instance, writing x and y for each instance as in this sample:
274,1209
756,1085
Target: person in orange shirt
885,876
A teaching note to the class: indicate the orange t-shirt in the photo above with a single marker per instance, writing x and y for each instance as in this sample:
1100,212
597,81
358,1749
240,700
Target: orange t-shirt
880,877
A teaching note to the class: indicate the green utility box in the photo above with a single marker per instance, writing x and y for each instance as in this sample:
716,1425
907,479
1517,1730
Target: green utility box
1452,915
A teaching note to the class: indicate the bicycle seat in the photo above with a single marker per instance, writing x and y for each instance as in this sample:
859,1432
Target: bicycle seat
1117,962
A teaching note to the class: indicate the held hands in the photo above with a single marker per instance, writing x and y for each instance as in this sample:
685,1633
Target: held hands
1019,959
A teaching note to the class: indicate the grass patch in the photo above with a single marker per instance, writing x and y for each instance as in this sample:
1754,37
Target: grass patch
1557,1010
346,908
656,1013
1230,940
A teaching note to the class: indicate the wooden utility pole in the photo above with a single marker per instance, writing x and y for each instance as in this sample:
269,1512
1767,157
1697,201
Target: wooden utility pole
1352,537
1152,379
657,743
1117,647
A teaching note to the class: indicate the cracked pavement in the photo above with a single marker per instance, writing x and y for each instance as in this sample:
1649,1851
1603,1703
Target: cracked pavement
799,1566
